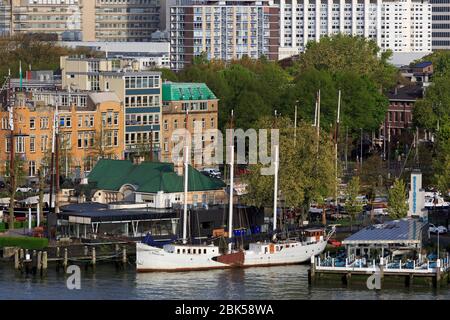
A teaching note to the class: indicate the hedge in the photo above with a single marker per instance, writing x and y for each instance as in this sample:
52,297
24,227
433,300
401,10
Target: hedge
24,242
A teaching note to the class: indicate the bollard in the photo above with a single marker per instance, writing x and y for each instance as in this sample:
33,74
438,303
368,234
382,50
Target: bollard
34,262
124,256
16,259
65,260
39,261
44,263
86,251
93,257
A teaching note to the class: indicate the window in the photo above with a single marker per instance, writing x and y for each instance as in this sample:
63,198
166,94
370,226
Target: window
116,118
80,140
65,121
20,144
80,121
166,125
32,123
116,138
175,124
44,142
44,122
31,168
212,122
32,144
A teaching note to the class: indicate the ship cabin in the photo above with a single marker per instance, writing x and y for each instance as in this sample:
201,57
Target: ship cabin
268,248
314,235
192,249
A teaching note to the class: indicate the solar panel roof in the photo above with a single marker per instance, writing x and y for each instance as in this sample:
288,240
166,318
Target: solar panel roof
397,231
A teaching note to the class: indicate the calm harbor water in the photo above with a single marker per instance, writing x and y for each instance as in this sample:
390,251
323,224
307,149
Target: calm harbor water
286,282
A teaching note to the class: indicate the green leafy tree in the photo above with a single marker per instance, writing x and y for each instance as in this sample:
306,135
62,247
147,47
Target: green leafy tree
19,179
398,207
352,205
353,54
441,162
306,170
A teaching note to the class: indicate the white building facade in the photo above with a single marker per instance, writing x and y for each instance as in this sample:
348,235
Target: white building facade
399,25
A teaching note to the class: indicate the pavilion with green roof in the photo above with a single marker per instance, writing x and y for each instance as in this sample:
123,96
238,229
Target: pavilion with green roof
155,183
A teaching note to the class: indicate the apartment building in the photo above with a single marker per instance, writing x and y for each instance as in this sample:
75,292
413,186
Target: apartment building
223,30
196,103
137,89
441,24
89,129
82,20
399,25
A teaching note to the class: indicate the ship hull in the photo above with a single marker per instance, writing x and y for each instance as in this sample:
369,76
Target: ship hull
150,259
296,253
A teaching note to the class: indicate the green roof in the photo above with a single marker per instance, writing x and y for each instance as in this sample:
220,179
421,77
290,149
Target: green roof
149,177
172,91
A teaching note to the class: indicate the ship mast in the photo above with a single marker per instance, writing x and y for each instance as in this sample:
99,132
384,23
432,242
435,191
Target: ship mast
12,178
186,156
186,173
336,140
230,205
275,193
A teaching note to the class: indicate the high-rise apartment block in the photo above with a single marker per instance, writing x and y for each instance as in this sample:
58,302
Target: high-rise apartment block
282,28
86,20
441,24
400,25
223,30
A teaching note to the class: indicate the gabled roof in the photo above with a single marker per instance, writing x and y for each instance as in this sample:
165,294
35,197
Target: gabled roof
172,91
148,177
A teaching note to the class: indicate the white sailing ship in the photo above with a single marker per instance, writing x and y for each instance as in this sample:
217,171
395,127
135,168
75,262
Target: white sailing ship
290,251
178,257
182,257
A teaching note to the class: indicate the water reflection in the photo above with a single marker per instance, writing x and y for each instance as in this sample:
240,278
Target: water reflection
286,282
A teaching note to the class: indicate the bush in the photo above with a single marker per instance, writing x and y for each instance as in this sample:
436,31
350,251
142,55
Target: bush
2,226
24,242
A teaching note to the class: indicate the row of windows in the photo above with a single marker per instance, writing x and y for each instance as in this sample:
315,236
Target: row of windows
175,123
141,137
142,101
192,251
142,82
141,119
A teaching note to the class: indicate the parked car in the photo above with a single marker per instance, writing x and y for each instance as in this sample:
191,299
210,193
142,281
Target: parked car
212,172
24,189
433,229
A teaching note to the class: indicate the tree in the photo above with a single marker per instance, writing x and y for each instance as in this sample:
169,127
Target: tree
441,162
397,205
354,54
306,170
19,177
434,109
352,205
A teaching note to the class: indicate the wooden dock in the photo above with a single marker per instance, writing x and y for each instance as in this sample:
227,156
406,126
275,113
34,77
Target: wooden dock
34,262
435,273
